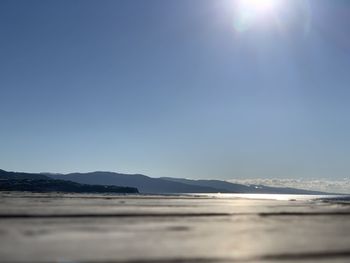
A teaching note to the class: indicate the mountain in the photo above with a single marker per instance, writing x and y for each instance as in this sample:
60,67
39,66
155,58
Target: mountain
218,184
12,181
168,185
20,176
131,183
240,188
143,183
51,185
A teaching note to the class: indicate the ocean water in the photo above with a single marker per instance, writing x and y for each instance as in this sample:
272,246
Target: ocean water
174,228
279,197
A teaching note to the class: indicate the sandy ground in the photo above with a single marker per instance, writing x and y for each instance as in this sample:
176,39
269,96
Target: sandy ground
96,228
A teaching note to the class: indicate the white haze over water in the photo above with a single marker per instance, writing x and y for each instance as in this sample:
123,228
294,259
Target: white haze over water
325,185
279,197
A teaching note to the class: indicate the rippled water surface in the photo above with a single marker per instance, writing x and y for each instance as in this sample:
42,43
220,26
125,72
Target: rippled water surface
47,228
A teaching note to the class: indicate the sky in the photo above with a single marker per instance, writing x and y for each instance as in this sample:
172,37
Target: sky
184,88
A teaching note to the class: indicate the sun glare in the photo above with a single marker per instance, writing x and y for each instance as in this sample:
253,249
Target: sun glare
249,12
259,6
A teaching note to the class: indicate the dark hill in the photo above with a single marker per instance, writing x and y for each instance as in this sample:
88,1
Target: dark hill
149,185
168,185
19,175
143,183
45,186
239,188
12,181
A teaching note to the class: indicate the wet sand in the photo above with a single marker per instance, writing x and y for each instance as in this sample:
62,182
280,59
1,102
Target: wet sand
98,228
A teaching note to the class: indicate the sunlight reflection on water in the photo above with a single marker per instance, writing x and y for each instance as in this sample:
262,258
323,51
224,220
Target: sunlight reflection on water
281,197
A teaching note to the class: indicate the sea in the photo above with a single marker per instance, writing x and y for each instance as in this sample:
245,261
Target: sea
204,228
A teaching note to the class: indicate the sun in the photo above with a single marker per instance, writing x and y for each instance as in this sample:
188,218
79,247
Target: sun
259,7
250,13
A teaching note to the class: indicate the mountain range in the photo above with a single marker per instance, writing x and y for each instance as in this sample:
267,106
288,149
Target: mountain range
12,181
148,185
167,185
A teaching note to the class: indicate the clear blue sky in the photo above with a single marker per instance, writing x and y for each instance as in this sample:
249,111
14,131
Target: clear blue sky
183,88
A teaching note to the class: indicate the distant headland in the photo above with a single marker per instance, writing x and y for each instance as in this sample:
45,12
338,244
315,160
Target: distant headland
110,182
